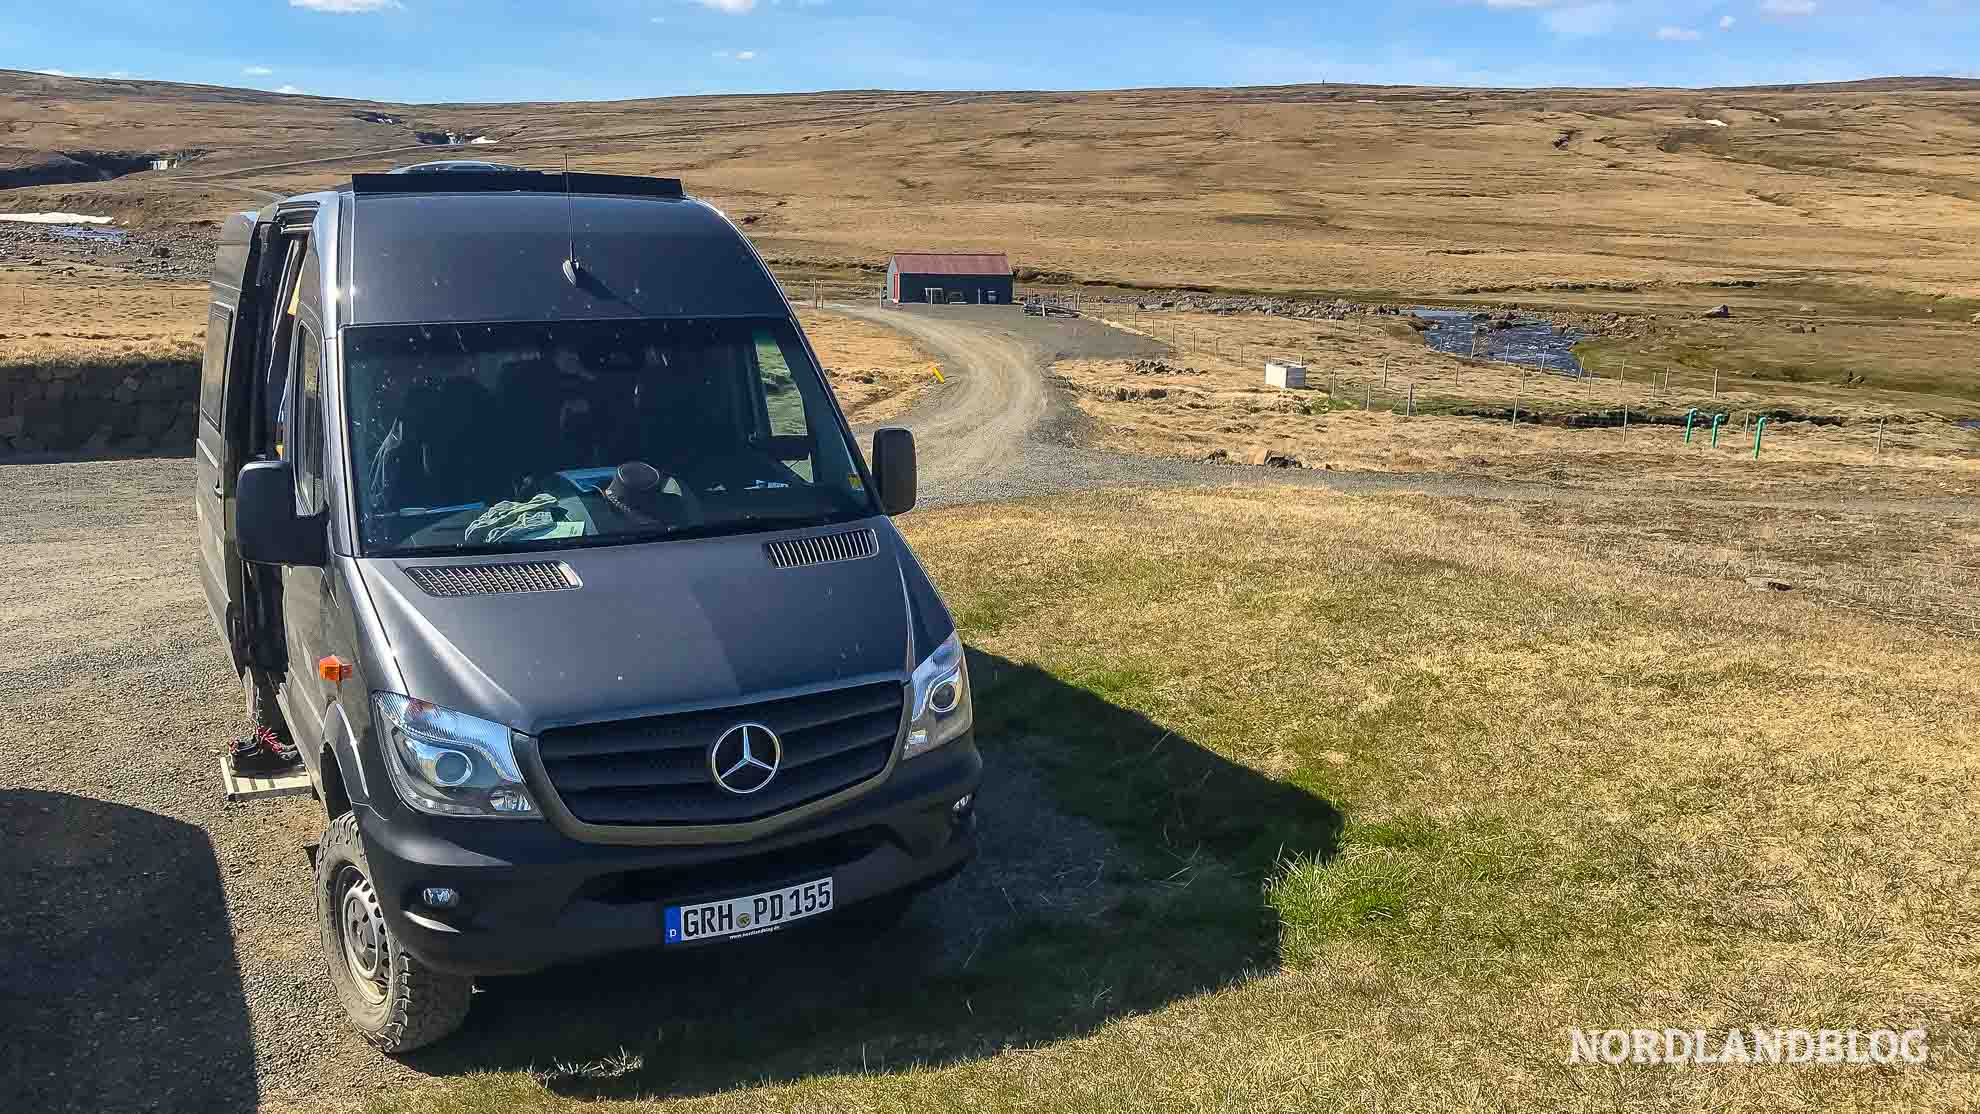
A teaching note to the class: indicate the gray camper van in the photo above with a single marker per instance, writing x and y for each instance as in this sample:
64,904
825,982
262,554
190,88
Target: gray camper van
538,538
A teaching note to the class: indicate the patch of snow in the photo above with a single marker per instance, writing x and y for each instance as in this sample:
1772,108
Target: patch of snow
1716,123
53,218
480,139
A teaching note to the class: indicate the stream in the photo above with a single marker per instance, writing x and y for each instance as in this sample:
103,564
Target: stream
1531,341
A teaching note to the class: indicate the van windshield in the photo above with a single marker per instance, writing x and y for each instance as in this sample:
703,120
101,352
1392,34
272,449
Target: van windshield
511,437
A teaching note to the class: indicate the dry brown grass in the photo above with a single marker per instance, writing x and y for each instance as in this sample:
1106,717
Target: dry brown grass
1227,412
1331,187
80,312
1579,789
877,373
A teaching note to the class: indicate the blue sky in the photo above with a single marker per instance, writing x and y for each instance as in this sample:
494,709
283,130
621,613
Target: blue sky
453,50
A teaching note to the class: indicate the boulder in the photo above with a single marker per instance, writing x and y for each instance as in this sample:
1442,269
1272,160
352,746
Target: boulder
1719,311
1768,584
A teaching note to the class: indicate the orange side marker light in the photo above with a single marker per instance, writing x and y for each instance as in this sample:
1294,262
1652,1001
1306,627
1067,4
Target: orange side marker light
333,669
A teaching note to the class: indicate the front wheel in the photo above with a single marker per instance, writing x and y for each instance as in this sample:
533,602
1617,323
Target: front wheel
393,1000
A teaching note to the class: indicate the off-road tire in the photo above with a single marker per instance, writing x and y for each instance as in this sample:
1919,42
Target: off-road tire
419,1005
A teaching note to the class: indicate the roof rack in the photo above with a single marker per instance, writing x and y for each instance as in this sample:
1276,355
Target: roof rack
516,181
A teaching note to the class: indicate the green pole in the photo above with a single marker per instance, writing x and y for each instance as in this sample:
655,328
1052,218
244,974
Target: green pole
1689,415
1716,419
1759,431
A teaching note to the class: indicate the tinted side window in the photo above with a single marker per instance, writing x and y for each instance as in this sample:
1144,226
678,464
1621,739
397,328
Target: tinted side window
213,373
308,421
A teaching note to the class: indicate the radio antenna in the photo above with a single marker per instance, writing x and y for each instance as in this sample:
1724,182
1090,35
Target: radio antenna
571,264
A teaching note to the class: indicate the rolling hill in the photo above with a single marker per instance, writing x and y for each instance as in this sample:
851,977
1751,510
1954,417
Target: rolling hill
1869,188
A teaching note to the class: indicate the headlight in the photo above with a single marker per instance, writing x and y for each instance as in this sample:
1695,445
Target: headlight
941,699
449,764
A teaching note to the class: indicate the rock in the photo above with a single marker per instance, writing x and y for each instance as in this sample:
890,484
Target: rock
1271,458
1975,319
1768,584
1720,311
161,252
1158,392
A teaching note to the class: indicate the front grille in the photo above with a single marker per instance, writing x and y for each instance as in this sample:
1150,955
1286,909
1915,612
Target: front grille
798,552
488,580
654,771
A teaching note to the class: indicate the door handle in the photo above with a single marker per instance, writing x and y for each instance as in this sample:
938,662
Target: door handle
216,489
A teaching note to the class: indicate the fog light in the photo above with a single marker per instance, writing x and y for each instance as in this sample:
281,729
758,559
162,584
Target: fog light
513,801
440,897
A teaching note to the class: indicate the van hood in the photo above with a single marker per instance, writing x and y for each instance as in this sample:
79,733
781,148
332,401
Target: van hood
653,627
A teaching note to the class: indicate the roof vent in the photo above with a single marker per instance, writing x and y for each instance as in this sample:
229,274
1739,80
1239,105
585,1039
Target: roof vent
489,580
798,552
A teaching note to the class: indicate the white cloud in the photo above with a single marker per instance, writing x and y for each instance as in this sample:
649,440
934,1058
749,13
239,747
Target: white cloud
1726,22
738,55
733,7
345,7
1677,35
746,55
1788,7
256,71
1581,19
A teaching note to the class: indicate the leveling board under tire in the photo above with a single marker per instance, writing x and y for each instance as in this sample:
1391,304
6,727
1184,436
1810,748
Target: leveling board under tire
732,918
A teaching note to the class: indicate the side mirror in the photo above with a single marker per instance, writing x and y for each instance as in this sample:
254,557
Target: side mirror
266,525
893,469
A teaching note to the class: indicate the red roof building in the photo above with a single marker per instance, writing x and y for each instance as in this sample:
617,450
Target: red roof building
975,278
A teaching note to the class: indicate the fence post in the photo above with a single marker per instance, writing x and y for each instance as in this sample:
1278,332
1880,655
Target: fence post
1411,413
1518,389
1367,398
1689,416
1880,436
1715,383
1716,419
1759,431
1622,396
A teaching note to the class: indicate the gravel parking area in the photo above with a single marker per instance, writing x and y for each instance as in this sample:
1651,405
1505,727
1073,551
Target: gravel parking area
169,956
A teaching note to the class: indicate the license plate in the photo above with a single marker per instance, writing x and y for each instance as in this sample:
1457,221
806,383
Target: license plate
746,916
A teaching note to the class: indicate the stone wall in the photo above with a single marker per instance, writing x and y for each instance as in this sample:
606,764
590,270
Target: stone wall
119,407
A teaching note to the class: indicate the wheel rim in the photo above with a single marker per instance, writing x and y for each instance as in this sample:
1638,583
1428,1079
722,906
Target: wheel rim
361,925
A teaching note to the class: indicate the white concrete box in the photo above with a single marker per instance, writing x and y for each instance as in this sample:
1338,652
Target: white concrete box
1279,373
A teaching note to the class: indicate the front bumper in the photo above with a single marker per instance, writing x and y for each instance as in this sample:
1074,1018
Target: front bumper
532,897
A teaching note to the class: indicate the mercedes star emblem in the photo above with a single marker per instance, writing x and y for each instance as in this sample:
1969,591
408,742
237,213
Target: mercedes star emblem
745,758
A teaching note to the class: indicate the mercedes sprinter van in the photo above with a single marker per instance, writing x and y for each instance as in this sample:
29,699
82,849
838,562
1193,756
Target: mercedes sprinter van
537,537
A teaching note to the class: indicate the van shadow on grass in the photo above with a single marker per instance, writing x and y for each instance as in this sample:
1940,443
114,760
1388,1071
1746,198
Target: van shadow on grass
121,988
1121,869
